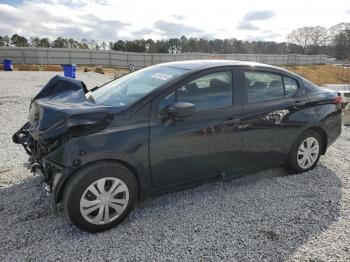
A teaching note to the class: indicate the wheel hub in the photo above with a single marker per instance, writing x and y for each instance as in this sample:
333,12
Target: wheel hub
104,200
308,152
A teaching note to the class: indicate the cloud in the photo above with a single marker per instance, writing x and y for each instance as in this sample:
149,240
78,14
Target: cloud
178,17
89,19
259,15
51,19
170,29
246,23
263,37
142,32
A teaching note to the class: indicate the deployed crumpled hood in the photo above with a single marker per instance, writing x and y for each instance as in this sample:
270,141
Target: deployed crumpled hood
63,89
62,104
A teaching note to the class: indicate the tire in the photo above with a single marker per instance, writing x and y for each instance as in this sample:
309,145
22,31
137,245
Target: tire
100,196
295,159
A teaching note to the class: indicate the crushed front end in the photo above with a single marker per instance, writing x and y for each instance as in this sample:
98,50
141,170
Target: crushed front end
58,113
38,150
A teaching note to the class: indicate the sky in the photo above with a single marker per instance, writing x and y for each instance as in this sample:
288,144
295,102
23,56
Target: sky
110,20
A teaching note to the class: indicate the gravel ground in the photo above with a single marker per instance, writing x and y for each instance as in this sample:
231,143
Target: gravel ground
266,216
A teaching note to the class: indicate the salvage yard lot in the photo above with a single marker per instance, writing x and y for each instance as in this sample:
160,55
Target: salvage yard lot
267,216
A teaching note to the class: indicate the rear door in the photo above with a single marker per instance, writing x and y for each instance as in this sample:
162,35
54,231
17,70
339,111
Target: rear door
271,97
203,145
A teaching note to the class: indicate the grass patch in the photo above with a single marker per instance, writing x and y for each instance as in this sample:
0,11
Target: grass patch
323,74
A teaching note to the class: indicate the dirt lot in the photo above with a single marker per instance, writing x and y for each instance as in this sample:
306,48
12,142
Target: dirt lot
267,216
323,74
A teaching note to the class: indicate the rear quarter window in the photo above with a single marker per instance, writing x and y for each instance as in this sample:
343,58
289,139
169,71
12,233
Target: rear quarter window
290,85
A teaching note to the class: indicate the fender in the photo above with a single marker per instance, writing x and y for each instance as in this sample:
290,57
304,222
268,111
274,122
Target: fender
142,173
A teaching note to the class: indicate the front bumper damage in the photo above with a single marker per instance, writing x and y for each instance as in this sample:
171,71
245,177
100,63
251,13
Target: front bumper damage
38,162
58,113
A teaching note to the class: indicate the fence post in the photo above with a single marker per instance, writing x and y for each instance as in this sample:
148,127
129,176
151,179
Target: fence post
47,57
110,58
23,57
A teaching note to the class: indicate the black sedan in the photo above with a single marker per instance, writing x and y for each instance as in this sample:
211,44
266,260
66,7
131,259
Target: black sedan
169,127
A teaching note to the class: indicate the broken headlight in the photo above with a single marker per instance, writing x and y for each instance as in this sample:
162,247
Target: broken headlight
34,113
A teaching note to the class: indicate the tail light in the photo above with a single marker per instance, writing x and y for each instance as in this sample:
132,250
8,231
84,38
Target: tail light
337,100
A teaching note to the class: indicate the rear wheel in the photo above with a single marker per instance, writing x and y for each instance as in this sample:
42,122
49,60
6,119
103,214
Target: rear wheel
100,196
305,152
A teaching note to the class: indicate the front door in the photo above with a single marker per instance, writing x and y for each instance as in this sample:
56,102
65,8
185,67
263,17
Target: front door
202,145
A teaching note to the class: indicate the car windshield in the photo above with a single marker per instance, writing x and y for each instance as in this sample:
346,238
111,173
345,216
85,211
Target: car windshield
129,88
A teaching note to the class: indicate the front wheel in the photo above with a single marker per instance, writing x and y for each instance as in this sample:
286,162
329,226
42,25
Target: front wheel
100,196
305,152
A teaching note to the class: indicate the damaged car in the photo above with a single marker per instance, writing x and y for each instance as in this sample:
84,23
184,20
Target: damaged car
169,127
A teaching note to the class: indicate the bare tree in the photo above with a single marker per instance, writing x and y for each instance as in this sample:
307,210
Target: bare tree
301,36
319,36
337,29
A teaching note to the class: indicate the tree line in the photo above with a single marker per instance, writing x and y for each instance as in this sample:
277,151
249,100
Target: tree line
334,41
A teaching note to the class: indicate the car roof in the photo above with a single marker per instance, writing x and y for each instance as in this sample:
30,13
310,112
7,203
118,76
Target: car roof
194,65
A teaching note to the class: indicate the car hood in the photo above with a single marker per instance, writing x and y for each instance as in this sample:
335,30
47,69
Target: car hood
61,105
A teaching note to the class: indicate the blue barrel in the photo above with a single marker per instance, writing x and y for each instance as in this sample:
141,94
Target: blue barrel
69,70
8,65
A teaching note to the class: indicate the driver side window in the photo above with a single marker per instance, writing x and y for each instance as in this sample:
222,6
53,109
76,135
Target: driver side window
206,92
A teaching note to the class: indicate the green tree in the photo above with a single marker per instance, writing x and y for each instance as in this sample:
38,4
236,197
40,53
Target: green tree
162,46
84,44
60,42
7,40
174,45
150,46
35,41
104,45
73,43
44,42
19,41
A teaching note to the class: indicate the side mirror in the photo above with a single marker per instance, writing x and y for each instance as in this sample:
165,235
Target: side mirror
181,109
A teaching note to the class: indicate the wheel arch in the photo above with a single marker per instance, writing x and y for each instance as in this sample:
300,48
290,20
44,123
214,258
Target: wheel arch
323,135
320,131
141,191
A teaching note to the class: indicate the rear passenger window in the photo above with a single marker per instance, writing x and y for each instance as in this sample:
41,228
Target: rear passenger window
290,85
262,86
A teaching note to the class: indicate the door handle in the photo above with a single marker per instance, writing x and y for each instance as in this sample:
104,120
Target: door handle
233,121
